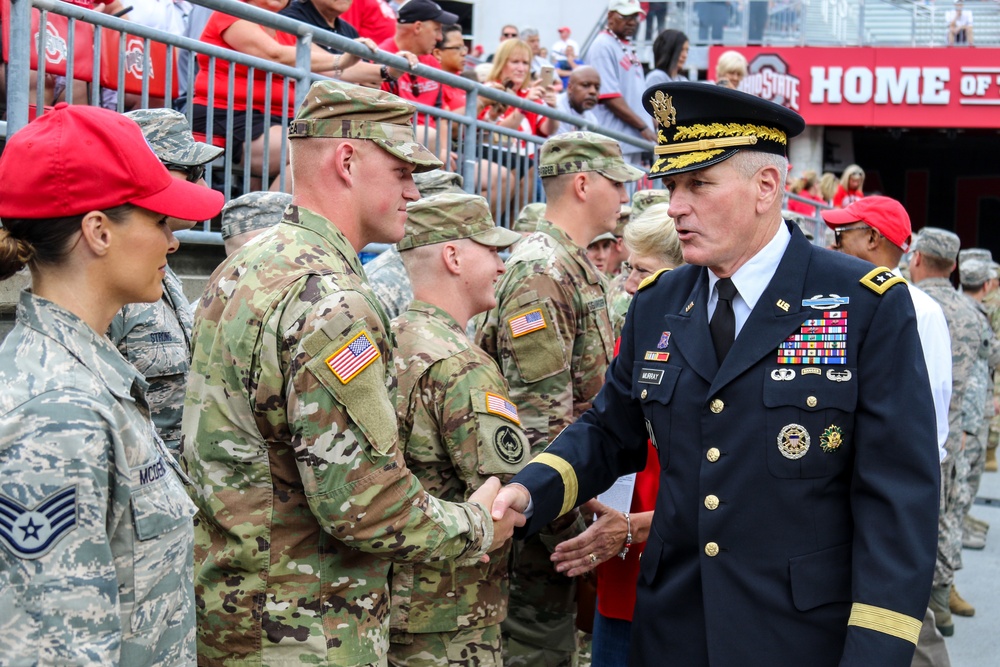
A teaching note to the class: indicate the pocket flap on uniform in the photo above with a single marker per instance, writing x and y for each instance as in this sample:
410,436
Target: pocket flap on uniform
352,369
811,388
535,341
654,382
821,577
159,502
503,447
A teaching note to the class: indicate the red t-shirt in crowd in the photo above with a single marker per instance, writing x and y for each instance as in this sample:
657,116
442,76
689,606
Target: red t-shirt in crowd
617,578
217,24
844,198
418,89
802,207
372,18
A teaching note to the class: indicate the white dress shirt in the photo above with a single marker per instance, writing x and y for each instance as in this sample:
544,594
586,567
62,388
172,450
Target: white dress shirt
932,327
752,278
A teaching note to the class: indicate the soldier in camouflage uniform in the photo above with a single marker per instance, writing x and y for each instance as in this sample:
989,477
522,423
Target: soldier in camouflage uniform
551,335
991,302
290,433
456,427
250,215
385,273
96,542
618,298
156,337
529,217
978,280
933,260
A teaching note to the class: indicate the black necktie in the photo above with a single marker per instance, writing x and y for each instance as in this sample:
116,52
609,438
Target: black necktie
723,324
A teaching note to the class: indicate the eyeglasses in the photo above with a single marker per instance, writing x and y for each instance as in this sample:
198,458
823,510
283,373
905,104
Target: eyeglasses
461,47
192,172
509,34
840,230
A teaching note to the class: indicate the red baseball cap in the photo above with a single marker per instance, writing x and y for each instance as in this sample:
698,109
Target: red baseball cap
882,213
564,29
75,159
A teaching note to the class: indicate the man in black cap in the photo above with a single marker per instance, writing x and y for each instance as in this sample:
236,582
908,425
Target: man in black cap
785,390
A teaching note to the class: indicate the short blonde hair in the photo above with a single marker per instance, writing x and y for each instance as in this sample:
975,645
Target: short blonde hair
652,234
731,61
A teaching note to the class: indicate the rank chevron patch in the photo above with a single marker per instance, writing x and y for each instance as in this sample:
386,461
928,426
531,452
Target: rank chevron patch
30,533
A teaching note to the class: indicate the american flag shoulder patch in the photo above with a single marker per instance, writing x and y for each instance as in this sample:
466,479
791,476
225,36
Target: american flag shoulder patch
498,405
533,320
353,357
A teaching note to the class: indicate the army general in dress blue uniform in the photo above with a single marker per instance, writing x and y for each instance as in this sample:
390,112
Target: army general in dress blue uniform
784,388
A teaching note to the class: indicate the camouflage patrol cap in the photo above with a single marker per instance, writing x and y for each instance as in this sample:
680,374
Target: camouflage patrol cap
528,218
606,236
975,272
437,181
253,211
643,199
450,217
624,217
338,110
575,152
167,132
975,253
937,242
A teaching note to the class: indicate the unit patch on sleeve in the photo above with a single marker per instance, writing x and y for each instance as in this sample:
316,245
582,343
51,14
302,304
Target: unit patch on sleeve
31,533
533,320
881,279
353,357
820,340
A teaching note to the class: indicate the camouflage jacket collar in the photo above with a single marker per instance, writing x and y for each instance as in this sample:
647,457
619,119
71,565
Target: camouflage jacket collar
93,351
935,282
572,249
314,222
439,315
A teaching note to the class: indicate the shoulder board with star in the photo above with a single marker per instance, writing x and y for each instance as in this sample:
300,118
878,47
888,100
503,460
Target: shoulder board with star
880,280
650,280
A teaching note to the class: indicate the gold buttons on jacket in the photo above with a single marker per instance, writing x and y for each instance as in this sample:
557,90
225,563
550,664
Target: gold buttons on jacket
643,394
712,502
713,454
711,549
717,406
811,401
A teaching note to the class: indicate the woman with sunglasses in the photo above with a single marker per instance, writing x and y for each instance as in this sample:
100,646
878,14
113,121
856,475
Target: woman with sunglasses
96,534
156,337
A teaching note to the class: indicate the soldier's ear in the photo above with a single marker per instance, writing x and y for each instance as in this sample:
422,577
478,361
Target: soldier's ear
96,232
451,256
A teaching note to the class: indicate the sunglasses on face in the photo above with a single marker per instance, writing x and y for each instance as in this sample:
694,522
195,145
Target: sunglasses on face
192,173
841,230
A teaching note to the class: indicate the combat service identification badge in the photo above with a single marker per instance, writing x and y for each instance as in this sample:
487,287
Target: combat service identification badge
507,445
832,439
793,441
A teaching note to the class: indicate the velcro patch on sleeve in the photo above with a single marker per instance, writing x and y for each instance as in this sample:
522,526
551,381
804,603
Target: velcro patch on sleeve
525,323
355,356
500,406
880,280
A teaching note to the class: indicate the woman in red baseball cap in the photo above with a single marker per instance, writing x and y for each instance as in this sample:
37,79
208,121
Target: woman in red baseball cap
96,535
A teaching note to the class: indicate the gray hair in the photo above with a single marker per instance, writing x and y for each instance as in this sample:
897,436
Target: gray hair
529,32
750,162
